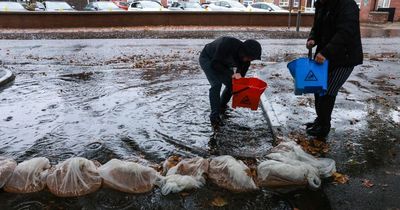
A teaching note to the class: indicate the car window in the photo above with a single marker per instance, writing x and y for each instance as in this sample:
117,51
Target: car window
224,4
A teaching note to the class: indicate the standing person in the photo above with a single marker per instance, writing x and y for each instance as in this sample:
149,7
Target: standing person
336,33
217,61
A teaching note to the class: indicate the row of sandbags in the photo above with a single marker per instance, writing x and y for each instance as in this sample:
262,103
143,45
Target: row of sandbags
286,165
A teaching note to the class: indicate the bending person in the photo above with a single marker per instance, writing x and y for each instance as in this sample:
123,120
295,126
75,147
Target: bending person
217,60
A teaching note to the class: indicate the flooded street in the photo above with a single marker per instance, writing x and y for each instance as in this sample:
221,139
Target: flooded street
132,101
146,100
125,101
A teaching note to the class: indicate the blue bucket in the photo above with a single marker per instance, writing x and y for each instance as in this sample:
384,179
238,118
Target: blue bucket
309,76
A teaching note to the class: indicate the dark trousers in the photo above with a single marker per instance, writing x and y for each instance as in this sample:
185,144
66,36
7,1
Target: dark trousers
324,104
216,78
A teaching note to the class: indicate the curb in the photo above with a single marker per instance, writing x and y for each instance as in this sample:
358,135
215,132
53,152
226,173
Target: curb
8,77
271,117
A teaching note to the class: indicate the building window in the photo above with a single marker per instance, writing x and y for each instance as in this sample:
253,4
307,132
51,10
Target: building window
285,3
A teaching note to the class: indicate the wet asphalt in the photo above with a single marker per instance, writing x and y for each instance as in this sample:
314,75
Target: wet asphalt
104,99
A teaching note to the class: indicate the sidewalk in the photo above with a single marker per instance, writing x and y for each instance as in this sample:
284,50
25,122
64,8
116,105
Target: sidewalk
365,135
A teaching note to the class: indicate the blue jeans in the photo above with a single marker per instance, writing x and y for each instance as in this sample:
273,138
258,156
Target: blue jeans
216,78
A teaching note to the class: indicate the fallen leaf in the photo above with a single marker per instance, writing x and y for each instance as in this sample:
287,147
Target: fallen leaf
367,183
184,194
340,178
219,202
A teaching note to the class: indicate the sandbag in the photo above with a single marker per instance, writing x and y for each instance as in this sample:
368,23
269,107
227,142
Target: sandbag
7,166
176,183
272,173
195,167
74,177
229,173
292,151
29,176
128,177
169,163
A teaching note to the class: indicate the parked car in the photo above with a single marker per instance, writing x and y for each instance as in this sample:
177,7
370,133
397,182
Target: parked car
227,5
122,4
247,3
265,7
186,6
37,6
146,6
58,6
6,6
102,6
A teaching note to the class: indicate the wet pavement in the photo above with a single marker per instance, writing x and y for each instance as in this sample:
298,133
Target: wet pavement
147,99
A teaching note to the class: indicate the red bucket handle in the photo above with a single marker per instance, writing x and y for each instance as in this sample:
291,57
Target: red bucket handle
239,91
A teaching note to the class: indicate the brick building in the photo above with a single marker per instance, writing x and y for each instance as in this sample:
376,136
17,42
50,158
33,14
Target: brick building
368,8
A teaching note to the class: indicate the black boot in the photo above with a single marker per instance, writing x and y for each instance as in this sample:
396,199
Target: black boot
317,111
323,127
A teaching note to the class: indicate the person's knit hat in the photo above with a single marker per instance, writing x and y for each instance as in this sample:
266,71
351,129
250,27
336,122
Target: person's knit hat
253,49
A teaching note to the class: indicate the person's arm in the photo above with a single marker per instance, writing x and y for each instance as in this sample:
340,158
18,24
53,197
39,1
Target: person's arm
346,29
243,68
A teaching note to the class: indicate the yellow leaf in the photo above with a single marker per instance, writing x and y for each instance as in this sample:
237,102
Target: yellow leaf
340,178
219,202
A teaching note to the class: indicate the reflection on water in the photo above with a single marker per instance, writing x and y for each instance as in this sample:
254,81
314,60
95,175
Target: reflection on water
138,107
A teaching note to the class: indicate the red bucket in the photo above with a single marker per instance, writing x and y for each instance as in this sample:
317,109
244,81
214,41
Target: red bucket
247,91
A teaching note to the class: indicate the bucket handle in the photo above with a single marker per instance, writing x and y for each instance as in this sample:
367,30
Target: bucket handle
239,91
310,54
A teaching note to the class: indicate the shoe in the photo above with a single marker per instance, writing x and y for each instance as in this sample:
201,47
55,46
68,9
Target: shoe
215,126
311,124
320,131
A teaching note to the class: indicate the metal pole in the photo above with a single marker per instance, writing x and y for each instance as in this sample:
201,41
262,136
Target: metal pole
298,20
290,13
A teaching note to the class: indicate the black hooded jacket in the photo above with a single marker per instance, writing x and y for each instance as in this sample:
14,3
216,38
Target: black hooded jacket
225,53
336,31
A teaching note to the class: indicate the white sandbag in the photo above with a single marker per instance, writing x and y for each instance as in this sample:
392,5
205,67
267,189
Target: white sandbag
29,176
169,163
74,177
229,173
127,176
272,173
195,167
292,151
176,183
7,166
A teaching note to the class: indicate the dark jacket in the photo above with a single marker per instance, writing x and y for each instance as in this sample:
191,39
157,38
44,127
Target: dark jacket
336,31
225,53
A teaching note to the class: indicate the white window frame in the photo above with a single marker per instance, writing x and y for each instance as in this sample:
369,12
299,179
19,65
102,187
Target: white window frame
285,3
